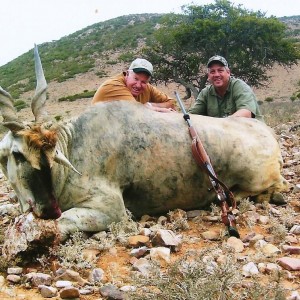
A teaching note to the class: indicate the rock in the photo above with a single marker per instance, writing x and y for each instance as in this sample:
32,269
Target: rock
90,255
145,232
289,263
261,267
63,283
296,188
194,213
270,250
111,292
263,220
161,255
260,244
271,268
294,296
86,291
235,243
47,291
12,210
211,235
291,239
71,276
162,220
295,229
138,240
69,292
96,275
15,270
213,219
37,279
142,265
250,269
139,252
13,278
128,288
166,238
291,249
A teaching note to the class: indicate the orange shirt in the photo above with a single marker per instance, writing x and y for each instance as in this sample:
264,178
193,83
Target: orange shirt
115,89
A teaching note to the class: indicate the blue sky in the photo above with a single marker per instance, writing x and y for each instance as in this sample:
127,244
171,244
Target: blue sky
25,22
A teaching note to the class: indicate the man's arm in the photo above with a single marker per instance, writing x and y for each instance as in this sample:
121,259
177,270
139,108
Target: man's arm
243,113
200,105
159,99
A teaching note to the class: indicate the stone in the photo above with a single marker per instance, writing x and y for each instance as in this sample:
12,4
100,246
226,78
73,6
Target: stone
270,250
13,278
165,238
96,275
47,291
235,243
250,269
295,229
69,292
142,265
63,283
291,249
111,292
211,235
71,276
289,263
15,270
138,240
139,252
160,255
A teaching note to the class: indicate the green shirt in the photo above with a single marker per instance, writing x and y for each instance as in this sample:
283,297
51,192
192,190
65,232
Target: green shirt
238,95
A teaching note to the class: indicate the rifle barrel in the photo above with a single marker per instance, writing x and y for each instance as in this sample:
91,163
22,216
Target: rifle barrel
180,103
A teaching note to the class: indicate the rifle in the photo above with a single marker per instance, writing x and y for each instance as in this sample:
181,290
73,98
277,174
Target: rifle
224,195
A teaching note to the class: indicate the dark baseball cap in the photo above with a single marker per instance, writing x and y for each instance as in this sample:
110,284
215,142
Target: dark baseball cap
217,58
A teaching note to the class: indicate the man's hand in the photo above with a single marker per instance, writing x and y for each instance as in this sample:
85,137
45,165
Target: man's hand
157,107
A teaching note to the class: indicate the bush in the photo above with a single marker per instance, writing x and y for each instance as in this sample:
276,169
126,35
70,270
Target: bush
85,94
20,104
269,99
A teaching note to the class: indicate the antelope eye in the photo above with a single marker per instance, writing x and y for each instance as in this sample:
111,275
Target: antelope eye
19,157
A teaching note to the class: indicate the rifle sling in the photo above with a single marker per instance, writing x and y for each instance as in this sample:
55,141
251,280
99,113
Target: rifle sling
203,161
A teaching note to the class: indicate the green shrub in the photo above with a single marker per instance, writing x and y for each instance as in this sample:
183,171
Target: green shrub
20,104
127,57
85,94
269,99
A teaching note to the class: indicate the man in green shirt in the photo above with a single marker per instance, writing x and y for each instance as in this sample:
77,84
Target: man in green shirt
226,95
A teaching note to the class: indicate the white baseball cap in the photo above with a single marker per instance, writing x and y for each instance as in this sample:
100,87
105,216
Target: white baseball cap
141,65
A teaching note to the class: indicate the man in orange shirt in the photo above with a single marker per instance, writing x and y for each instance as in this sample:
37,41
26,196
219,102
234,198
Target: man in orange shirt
133,85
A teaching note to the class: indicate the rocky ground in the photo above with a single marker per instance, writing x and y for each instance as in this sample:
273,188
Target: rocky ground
186,254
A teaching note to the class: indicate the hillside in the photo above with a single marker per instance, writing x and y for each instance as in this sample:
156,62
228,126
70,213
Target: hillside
80,62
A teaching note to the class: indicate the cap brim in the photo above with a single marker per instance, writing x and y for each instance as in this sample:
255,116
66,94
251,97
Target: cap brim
218,61
141,70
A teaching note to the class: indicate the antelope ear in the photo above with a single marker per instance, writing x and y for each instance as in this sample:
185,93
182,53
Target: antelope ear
61,159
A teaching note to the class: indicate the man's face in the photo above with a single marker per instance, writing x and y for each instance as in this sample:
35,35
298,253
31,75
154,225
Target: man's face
218,75
136,82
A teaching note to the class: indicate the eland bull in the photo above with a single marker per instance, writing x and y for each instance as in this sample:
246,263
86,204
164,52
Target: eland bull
120,155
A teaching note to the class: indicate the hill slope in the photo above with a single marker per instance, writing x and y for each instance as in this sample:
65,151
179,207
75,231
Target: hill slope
81,61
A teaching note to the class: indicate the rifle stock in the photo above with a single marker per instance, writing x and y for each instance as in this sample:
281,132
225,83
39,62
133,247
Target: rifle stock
224,195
